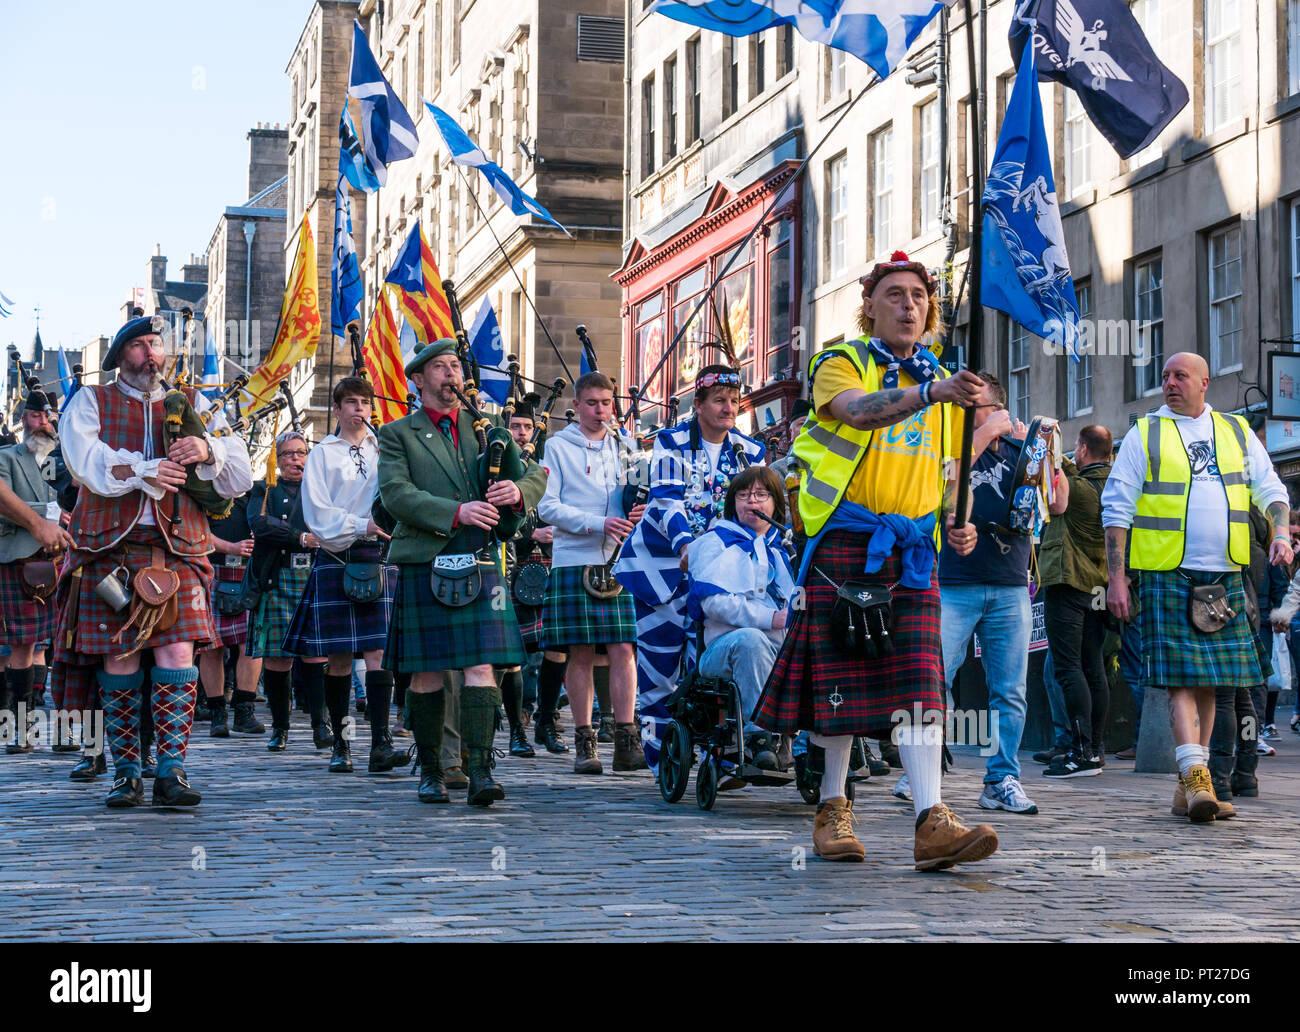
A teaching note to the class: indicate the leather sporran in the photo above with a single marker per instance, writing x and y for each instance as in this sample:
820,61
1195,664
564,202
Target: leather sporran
363,582
38,579
230,598
455,579
862,617
599,582
529,586
154,604
1207,607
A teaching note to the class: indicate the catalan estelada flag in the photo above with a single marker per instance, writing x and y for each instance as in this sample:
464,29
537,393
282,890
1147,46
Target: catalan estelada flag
299,329
417,287
382,354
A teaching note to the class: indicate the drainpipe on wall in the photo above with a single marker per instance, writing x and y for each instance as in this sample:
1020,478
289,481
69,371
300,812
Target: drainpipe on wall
250,230
627,118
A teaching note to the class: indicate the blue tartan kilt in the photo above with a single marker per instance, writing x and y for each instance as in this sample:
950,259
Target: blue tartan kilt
327,622
426,635
268,623
570,616
1175,654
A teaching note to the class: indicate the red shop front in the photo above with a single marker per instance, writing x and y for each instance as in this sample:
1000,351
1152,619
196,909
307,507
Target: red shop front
758,298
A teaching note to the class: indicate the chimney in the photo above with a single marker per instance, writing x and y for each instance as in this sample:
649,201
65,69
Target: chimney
268,156
196,270
157,269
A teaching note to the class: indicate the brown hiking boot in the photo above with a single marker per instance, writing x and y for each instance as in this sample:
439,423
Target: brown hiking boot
833,837
628,754
586,759
1179,808
943,840
1198,795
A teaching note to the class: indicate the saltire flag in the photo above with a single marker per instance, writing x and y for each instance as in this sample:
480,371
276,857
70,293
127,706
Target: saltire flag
211,365
298,331
5,306
586,362
485,345
346,292
352,159
465,151
67,382
386,130
878,32
382,354
417,285
1026,272
1097,48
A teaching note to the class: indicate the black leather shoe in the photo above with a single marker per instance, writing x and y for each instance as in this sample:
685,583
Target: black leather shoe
174,790
127,792
279,740
220,726
483,790
1245,785
322,737
88,768
14,749
148,765
341,758
519,744
65,747
383,757
432,790
246,722
361,704
545,735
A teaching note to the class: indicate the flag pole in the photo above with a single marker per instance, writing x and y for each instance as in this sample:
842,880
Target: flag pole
975,331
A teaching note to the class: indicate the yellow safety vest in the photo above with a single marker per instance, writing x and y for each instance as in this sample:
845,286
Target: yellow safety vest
832,451
1160,524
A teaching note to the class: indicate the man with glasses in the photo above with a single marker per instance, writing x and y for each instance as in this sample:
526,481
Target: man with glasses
347,603
690,471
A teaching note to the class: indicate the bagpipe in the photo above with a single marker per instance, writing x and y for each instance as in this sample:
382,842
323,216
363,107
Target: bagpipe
1033,484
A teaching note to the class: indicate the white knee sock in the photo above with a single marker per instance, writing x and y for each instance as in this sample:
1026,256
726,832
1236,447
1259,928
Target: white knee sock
921,750
1189,756
837,762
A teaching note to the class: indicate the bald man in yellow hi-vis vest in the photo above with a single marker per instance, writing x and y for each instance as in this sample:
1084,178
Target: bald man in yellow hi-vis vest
877,448
1183,482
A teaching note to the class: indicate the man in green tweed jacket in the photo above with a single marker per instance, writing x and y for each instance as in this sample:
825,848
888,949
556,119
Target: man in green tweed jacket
429,483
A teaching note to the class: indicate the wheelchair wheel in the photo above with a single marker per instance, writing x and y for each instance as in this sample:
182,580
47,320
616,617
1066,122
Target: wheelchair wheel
706,783
808,784
674,762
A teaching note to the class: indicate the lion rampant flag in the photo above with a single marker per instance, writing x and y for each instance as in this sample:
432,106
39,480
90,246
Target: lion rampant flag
299,329
382,353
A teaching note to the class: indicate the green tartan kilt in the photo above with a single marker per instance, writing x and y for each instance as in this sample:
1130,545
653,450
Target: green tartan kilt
425,635
572,617
1175,654
268,623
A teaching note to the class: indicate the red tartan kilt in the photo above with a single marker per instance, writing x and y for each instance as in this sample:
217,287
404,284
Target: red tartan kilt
231,630
96,623
811,667
25,621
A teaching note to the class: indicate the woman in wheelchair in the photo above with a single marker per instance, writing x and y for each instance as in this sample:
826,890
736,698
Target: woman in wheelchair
740,587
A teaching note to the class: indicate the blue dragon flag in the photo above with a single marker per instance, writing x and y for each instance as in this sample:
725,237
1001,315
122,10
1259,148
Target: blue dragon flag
388,132
877,32
345,274
1026,271
1097,48
465,151
485,343
352,159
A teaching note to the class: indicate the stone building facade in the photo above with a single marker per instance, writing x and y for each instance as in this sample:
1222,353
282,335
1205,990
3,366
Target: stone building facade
538,85
1192,245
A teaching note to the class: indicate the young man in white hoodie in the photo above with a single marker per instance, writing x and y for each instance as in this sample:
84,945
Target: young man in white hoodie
586,467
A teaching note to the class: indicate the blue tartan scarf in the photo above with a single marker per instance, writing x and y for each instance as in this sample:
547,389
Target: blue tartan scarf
921,365
913,537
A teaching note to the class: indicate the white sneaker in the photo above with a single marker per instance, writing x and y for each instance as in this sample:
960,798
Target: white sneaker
903,789
1264,749
1270,733
1007,795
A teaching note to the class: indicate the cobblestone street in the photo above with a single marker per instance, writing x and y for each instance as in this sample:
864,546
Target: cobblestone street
281,850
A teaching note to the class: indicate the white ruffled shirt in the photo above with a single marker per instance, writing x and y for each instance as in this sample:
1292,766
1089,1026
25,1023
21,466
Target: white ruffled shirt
90,461
337,498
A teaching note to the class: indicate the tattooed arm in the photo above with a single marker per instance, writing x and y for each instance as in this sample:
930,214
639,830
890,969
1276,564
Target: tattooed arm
1117,600
1279,518
864,411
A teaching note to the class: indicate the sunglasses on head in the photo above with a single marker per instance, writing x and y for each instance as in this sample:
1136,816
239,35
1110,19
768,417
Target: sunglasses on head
717,380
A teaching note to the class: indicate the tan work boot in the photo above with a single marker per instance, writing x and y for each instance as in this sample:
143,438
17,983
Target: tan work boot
1198,795
628,754
943,840
1179,808
586,759
833,837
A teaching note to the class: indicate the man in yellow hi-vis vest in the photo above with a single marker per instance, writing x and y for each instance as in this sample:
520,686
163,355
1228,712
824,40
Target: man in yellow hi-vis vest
884,420
1183,482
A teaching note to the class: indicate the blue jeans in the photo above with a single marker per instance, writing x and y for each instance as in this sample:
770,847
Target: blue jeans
1062,735
745,655
1001,614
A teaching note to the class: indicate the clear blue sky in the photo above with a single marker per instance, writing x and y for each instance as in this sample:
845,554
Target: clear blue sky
124,126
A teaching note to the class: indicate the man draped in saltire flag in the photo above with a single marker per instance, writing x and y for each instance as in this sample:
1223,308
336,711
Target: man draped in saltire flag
1097,48
298,332
465,151
876,31
382,353
418,289
485,343
383,123
1026,270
